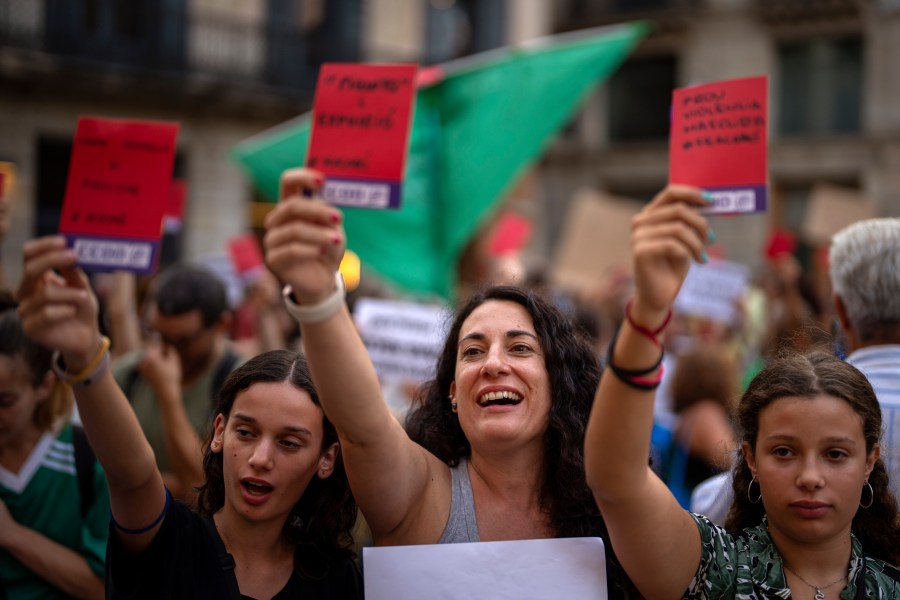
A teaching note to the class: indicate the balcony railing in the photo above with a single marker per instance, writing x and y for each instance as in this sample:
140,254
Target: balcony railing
166,37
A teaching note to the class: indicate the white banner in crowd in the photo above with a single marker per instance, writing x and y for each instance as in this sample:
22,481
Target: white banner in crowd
713,290
403,338
570,568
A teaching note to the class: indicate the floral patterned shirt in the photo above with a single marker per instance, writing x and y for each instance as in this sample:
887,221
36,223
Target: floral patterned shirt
748,567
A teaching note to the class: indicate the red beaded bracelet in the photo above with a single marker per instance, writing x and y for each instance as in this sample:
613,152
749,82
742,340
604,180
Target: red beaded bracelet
651,334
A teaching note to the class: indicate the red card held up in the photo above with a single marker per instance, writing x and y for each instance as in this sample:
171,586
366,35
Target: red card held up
119,185
246,254
718,142
360,132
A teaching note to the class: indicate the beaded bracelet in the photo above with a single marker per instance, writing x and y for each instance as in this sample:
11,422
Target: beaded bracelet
652,334
97,365
635,377
316,312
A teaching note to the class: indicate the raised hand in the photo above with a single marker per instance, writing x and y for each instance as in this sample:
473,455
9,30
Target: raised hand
58,310
665,237
304,240
161,367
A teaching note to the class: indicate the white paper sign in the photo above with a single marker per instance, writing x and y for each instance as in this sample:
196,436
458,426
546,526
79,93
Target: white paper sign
711,290
570,568
404,339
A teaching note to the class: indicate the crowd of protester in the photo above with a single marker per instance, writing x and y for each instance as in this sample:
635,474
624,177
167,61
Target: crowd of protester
247,451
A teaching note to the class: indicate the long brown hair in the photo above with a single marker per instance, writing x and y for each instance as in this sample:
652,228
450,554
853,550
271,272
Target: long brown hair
811,375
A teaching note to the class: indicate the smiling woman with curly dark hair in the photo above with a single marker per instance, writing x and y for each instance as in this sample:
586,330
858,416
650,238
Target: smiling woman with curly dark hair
495,450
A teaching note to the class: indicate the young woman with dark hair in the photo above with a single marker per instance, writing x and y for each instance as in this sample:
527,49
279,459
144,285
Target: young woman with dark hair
275,510
813,516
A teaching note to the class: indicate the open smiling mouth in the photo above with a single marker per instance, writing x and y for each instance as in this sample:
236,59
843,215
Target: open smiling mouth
502,398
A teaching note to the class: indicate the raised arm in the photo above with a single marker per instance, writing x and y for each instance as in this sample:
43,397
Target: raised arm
392,477
656,541
60,311
161,367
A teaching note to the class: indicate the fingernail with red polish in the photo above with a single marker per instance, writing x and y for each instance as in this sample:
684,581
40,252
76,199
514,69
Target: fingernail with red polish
335,217
336,240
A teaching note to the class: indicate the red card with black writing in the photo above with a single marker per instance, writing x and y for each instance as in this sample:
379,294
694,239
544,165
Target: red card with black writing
360,132
718,142
119,185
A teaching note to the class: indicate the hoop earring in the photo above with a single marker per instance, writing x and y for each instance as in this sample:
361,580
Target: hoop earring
749,487
871,493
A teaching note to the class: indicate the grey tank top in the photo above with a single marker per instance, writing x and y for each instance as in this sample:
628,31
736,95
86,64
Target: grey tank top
461,525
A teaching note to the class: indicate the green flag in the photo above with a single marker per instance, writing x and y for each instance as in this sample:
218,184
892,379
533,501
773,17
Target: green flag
474,132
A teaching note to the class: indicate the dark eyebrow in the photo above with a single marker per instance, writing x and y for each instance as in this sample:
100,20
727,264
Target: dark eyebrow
289,428
830,440
512,333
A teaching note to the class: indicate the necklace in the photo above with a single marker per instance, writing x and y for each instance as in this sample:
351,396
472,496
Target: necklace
820,595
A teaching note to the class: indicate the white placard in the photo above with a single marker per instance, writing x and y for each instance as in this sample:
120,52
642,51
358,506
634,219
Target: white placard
404,339
712,290
570,568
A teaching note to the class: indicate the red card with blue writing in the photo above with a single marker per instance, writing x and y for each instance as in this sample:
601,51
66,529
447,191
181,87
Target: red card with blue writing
120,179
360,132
718,142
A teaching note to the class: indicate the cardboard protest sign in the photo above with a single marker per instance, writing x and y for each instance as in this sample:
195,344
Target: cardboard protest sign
830,209
570,568
360,132
119,184
404,339
718,142
596,238
713,290
246,255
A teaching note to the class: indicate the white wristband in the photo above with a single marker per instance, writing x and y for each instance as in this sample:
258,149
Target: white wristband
317,312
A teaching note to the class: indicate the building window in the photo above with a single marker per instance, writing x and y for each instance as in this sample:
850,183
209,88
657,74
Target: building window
458,28
821,84
640,97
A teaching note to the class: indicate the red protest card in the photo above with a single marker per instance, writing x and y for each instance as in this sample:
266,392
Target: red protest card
174,213
718,142
246,254
2,186
360,132
119,185
510,234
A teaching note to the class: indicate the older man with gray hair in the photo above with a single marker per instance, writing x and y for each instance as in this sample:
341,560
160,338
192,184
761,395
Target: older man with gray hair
865,278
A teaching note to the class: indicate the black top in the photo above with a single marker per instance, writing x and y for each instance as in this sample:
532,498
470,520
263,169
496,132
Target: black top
182,562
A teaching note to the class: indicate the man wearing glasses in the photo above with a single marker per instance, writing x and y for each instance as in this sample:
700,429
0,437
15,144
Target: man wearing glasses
174,381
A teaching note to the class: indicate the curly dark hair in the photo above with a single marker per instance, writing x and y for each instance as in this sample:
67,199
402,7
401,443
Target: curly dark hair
810,375
574,372
321,521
